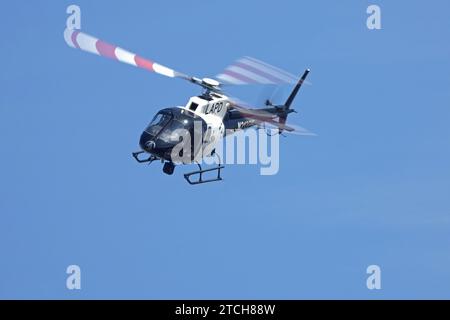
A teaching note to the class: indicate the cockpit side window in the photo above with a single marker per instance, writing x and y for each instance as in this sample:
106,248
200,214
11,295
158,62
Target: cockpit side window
193,106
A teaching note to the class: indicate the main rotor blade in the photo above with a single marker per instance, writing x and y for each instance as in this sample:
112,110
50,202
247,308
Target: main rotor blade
85,42
265,117
248,70
258,114
291,128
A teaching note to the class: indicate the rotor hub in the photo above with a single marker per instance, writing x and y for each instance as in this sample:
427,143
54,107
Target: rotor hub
210,82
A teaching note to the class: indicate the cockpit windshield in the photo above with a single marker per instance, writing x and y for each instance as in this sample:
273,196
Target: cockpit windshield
158,123
172,126
176,129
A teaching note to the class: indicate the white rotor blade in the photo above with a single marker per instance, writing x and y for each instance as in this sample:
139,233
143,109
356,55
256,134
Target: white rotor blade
85,42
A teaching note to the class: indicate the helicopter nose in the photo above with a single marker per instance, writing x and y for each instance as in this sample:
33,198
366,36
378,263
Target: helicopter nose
146,142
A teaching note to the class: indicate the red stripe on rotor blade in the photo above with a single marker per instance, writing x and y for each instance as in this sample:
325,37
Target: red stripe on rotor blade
143,63
238,76
106,50
74,39
266,75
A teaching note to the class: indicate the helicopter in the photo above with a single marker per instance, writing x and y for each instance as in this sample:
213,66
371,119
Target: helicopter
213,114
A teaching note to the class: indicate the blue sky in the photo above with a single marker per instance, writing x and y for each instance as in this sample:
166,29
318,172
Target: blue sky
371,188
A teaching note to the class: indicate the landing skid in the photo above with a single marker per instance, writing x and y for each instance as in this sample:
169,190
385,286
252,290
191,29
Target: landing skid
201,171
169,168
148,160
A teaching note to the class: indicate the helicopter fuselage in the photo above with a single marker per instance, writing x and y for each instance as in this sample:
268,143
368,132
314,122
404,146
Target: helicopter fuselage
206,118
